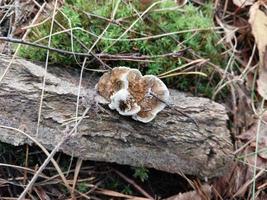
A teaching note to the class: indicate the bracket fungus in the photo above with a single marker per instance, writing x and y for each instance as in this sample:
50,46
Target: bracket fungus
131,94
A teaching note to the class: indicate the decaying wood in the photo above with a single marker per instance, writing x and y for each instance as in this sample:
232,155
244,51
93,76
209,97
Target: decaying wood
171,142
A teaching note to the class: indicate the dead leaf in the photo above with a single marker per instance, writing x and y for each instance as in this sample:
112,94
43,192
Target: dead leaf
192,195
258,21
262,80
243,3
230,183
251,135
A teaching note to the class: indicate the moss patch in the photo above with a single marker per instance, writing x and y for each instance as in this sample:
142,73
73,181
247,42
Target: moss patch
155,34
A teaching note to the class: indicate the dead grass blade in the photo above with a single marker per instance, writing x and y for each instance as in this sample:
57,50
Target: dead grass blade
118,194
76,173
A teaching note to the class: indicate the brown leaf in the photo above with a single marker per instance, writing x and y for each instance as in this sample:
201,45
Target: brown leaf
193,195
229,184
258,21
251,135
243,3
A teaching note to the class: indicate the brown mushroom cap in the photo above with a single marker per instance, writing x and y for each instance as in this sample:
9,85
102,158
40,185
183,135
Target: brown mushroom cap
111,82
137,86
155,98
130,93
104,86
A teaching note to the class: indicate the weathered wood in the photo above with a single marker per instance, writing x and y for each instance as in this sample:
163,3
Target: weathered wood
171,142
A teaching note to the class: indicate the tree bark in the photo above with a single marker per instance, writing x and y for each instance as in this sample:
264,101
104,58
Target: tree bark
172,142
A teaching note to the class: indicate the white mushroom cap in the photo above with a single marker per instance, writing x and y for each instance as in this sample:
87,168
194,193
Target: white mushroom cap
132,94
124,103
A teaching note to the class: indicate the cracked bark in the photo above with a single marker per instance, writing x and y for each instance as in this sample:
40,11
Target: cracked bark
171,142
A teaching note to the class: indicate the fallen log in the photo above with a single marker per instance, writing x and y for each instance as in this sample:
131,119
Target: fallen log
172,142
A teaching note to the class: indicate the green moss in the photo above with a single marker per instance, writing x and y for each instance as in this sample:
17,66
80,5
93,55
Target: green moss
159,20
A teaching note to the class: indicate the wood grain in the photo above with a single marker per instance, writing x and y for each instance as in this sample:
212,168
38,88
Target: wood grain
171,142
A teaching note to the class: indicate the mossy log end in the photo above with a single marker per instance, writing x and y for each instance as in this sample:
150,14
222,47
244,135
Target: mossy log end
172,142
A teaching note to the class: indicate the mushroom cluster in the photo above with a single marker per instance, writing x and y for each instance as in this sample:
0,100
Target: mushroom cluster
132,94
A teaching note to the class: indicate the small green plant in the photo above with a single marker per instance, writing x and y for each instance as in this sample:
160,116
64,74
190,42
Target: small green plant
141,173
82,187
113,183
127,190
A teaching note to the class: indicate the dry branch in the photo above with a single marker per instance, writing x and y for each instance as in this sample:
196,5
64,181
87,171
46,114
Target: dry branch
172,142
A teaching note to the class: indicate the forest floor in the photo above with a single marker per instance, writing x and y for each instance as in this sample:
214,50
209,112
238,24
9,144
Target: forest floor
213,49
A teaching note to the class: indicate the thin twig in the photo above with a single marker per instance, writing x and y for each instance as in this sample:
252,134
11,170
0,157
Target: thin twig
76,173
19,41
133,184
134,56
257,148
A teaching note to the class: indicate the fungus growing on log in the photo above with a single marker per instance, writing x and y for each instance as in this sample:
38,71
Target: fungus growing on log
131,94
